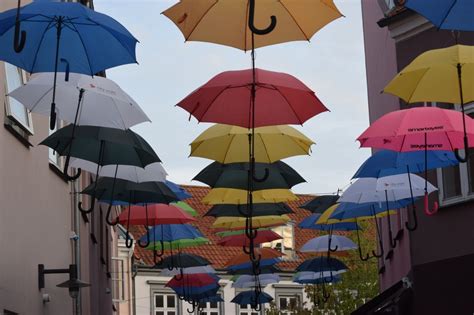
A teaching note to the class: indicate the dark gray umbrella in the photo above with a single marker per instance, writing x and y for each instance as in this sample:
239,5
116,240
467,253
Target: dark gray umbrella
259,209
235,175
320,203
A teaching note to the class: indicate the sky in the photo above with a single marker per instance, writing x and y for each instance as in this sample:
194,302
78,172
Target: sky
332,65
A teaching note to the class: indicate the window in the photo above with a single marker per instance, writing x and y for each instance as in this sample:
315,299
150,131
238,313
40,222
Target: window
14,78
165,304
287,244
247,310
54,157
288,303
211,308
118,279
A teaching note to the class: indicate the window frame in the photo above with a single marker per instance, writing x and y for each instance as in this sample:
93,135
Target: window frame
8,110
289,254
118,279
165,307
220,306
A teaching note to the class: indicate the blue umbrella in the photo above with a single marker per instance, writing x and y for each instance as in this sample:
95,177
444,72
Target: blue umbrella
310,223
178,191
252,298
446,14
262,263
196,299
317,280
63,36
321,264
350,210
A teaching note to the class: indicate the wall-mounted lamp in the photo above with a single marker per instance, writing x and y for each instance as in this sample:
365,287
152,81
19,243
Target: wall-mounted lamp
73,284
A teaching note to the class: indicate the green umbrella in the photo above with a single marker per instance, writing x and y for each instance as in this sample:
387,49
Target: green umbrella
237,232
235,175
259,209
185,207
178,244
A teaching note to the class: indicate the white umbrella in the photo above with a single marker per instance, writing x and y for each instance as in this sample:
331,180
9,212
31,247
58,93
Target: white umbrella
102,102
322,243
154,172
189,270
392,188
248,281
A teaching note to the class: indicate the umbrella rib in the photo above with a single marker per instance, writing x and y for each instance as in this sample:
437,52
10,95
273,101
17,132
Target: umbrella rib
207,109
85,49
39,45
292,109
294,20
197,23
39,99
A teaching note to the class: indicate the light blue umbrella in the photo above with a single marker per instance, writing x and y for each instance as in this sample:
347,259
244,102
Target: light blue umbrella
324,244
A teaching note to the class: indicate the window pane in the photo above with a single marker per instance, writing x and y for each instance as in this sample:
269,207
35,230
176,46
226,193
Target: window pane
14,80
214,313
451,182
283,304
202,305
159,302
213,305
160,313
171,313
171,301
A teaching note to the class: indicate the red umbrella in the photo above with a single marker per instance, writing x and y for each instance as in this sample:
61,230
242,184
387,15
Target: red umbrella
154,214
242,240
265,253
280,99
420,128
195,280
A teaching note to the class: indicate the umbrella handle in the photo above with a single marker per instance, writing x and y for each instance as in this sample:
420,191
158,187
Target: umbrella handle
128,240
147,243
263,178
157,258
19,38
427,209
466,152
252,26
375,255
107,217
68,69
79,205
360,248
256,307
65,169
191,311
415,220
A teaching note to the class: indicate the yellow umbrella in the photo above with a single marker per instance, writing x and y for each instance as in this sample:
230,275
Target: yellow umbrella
239,196
439,75
233,223
325,216
226,22
229,144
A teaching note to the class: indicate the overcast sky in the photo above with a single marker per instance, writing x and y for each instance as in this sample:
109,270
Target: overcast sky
332,65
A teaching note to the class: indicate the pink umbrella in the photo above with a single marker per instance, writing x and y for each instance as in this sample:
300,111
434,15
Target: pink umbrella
419,128
242,240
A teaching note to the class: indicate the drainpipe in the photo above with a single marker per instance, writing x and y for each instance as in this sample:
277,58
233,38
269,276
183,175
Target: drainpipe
76,242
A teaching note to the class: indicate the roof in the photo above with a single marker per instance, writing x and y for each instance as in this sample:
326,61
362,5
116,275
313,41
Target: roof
219,255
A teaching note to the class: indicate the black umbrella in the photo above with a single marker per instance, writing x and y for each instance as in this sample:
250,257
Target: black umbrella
321,264
320,203
259,209
183,260
235,175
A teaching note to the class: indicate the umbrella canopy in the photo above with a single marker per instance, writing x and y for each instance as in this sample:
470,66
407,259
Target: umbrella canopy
268,262
172,232
348,211
102,145
195,292
119,191
316,278
229,144
252,298
447,15
387,162
320,203
321,264
193,280
311,223
83,100
389,188
240,196
242,239
183,260
251,281
226,22
433,77
323,243
189,270
264,253
279,99
154,214
89,41
418,128
153,172
259,209
233,223
250,270
180,192
185,207
235,175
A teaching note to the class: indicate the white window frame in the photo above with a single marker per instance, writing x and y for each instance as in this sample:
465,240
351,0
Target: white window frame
249,310
208,310
466,195
118,279
288,296
165,309
289,254
9,113
59,161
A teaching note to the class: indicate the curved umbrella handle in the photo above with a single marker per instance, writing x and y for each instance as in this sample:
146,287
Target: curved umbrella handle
245,250
85,211
263,178
65,169
367,256
66,72
466,152
375,255
256,307
190,311
157,258
415,220
332,249
427,209
107,216
128,240
19,38
252,26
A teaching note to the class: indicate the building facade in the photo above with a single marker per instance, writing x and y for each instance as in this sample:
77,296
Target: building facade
431,266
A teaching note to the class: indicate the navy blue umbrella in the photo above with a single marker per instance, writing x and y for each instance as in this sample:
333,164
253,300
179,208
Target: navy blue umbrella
62,37
446,14
310,223
252,298
321,264
178,191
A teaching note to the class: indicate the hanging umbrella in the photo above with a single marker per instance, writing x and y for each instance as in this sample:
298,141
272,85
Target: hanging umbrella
311,224
440,75
225,233
196,299
153,172
265,253
320,203
183,260
228,144
189,270
82,100
226,22
193,280
154,214
250,281
185,207
259,209
62,37
321,264
262,263
318,280
324,243
235,175
232,223
239,196
446,15
189,290
226,99
180,192
243,241
251,298
100,145
250,270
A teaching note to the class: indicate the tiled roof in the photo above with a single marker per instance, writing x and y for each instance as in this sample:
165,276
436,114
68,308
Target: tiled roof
219,255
